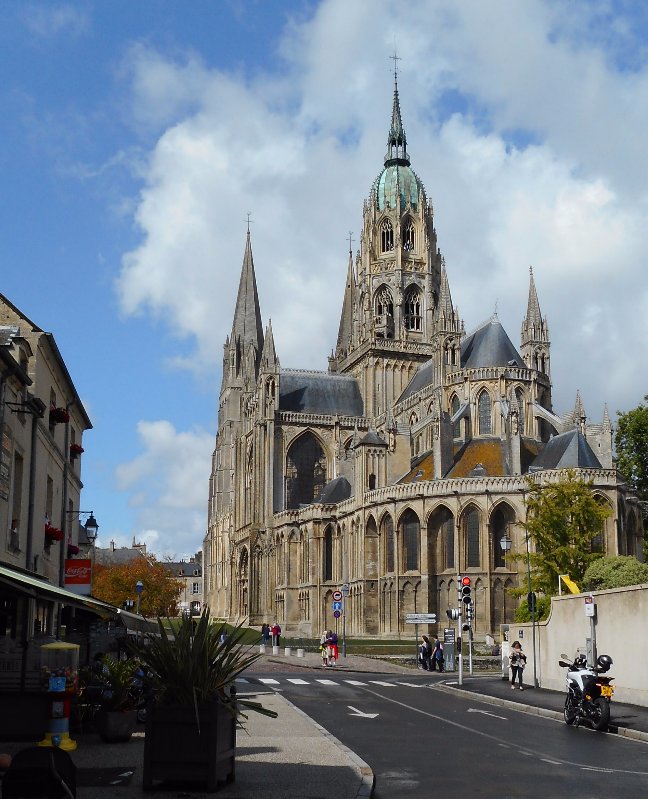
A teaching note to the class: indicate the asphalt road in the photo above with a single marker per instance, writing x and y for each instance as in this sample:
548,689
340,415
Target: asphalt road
421,742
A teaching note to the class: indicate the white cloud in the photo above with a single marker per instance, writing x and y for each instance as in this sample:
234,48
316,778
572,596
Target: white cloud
167,486
47,22
300,149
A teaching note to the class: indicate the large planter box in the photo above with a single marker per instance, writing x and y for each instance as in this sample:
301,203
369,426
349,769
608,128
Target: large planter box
178,749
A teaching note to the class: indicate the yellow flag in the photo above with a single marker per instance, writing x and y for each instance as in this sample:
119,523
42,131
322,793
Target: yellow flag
569,583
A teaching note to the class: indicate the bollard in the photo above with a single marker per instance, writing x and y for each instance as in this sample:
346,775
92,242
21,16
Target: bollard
288,651
262,649
275,649
300,652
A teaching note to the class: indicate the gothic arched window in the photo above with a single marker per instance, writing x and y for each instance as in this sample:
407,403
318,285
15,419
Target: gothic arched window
409,240
305,471
388,532
500,520
413,319
386,236
454,407
519,396
484,411
411,533
384,303
471,525
327,573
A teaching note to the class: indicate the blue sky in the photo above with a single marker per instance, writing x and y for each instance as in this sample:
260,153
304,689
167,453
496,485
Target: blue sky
137,136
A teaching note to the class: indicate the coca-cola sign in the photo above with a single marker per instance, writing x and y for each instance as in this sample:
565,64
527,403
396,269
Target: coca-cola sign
78,575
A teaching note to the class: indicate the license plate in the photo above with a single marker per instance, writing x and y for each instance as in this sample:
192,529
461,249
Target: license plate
607,691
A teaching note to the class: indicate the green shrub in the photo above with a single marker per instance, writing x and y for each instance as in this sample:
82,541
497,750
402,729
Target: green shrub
612,572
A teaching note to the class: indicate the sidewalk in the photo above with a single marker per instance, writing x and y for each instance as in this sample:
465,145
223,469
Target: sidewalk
626,719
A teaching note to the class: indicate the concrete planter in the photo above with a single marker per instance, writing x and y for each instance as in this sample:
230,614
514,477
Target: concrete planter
115,726
180,748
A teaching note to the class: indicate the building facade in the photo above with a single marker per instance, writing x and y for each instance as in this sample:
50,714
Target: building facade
406,463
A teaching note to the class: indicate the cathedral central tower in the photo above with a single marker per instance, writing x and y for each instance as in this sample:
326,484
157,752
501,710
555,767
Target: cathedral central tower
392,290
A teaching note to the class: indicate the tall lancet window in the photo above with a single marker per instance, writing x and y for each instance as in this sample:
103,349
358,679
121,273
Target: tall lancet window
485,415
384,303
413,319
519,396
409,240
386,236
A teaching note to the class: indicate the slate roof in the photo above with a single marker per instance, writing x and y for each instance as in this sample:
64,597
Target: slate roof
336,491
489,346
485,453
566,450
422,470
372,438
422,377
319,393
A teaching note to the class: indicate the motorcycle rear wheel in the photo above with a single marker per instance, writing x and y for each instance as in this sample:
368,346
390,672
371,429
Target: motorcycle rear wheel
570,711
600,714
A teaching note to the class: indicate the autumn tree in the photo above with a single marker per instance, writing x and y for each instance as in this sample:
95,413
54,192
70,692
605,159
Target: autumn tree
116,584
564,522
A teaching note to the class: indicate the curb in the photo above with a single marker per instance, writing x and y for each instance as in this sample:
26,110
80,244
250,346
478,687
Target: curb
365,773
537,711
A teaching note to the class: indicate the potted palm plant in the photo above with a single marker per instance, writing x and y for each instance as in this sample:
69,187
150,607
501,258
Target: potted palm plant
117,717
190,668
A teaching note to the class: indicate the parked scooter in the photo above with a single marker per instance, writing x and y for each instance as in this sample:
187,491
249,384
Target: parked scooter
588,691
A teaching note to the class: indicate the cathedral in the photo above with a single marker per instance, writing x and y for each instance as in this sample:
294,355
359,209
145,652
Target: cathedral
402,467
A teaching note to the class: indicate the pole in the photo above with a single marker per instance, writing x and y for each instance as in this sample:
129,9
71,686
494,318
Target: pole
345,594
416,644
460,649
470,649
533,613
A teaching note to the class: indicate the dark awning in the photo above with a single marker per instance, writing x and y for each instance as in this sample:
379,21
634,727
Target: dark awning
36,587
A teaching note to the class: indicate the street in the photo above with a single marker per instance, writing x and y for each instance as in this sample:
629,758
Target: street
423,742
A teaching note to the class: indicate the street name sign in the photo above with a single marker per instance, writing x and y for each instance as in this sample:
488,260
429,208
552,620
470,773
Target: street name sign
420,619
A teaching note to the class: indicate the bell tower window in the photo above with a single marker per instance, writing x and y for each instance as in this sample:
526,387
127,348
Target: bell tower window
484,410
413,311
386,236
409,240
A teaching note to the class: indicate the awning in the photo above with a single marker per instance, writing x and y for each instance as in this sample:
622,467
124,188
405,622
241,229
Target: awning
36,587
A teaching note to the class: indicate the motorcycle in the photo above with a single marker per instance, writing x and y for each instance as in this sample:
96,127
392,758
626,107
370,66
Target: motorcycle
589,691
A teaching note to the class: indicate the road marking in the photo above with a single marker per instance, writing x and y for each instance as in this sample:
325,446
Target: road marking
488,713
241,680
356,683
268,680
596,769
358,713
549,761
413,685
298,680
382,683
326,682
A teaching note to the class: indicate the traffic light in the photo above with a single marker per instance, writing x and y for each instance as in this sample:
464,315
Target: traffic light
453,613
466,590
531,602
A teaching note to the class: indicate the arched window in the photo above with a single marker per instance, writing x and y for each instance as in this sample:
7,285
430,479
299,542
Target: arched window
305,471
413,319
388,535
327,572
484,412
471,525
409,240
448,541
372,482
386,236
454,407
499,529
519,396
384,303
411,536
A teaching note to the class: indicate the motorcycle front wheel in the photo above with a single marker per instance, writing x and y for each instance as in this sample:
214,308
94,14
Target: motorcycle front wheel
600,714
570,710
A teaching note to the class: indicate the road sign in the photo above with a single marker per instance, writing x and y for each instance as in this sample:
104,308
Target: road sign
337,614
337,595
590,606
337,606
420,619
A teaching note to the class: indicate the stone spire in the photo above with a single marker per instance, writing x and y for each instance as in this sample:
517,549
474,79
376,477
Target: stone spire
535,343
396,140
345,332
269,361
448,316
246,327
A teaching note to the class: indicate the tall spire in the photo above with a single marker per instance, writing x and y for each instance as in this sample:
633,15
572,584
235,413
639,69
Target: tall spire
345,331
246,327
533,317
396,140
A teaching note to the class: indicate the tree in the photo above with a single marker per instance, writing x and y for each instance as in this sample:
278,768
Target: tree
543,607
611,572
116,584
563,519
631,442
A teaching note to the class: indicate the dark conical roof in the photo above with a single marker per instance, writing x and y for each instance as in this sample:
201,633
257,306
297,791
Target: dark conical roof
489,346
335,491
564,451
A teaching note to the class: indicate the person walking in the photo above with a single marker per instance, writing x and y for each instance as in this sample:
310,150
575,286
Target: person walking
276,634
332,645
517,660
324,648
437,656
425,652
265,633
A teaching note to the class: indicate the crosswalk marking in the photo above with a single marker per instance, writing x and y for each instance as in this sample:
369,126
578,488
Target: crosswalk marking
297,680
267,680
413,685
356,683
326,682
241,680
382,683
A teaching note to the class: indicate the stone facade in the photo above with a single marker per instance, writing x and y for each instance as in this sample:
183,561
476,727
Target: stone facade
405,464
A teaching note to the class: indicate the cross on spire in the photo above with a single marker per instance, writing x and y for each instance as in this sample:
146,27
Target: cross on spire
395,58
249,214
350,240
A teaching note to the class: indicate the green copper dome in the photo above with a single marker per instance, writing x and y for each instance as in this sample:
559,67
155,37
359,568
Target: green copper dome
396,186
